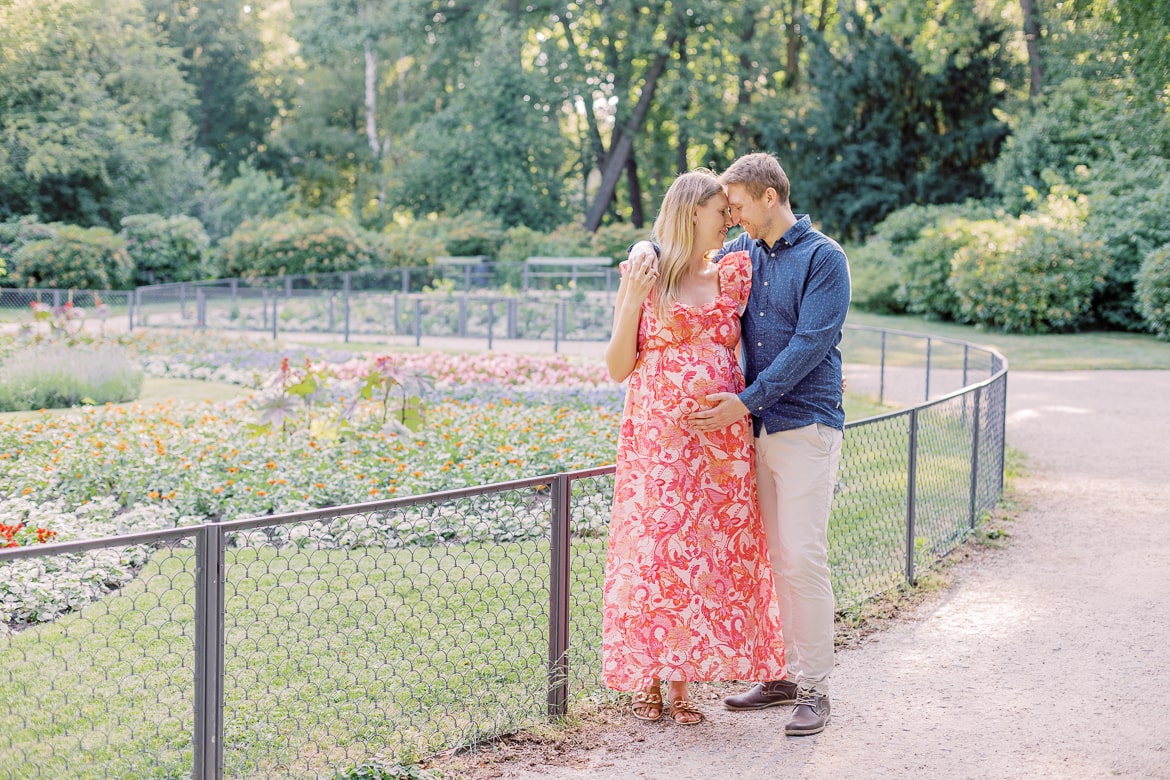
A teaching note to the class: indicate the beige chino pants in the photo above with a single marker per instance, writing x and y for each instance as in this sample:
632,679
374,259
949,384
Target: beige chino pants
796,471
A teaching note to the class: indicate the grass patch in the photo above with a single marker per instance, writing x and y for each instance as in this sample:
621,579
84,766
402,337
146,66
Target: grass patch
333,657
153,391
1043,352
59,376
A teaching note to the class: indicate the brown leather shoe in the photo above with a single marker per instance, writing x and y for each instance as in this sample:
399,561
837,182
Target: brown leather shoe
810,715
761,695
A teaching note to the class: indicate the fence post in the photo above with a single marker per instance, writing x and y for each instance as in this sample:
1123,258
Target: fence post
974,499
929,343
209,666
558,598
275,298
911,490
556,326
882,373
183,301
461,329
417,321
200,308
345,287
264,307
405,280
130,308
491,322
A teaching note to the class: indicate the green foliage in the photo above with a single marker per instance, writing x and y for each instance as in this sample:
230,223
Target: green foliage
570,240
1078,123
279,247
884,132
165,249
494,148
74,257
614,239
93,124
57,376
416,243
1032,274
17,232
251,194
473,233
1153,291
378,771
874,272
1130,216
224,59
906,265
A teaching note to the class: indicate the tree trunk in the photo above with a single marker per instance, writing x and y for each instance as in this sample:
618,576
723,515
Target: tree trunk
792,45
743,98
372,99
1032,36
620,149
636,215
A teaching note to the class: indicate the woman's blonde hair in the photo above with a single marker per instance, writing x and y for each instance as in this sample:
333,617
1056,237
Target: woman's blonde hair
674,232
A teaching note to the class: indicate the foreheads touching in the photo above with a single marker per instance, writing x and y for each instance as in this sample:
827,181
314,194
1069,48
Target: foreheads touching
756,174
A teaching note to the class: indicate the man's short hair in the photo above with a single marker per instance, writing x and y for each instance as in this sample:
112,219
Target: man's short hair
757,172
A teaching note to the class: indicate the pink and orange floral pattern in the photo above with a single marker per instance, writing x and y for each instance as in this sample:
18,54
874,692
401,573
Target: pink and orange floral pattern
688,583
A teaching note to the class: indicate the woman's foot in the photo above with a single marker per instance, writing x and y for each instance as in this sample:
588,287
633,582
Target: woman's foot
683,711
647,703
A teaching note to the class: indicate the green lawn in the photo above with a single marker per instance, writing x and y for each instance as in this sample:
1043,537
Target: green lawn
157,390
332,658
1048,352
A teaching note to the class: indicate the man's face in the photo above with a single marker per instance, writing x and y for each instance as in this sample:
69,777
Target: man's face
749,213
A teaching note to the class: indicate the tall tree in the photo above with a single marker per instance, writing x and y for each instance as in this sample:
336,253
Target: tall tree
92,115
223,58
885,132
1031,13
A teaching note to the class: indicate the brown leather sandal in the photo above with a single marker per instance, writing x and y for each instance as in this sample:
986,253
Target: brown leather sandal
686,706
647,700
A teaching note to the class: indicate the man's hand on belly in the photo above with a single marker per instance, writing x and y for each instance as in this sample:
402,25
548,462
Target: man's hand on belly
728,409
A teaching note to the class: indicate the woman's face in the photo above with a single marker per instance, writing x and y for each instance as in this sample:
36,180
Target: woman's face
712,220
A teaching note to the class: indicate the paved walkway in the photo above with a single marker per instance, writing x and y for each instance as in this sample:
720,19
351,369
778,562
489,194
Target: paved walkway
1050,659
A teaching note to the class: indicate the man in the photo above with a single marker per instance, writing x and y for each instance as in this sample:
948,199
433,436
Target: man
791,331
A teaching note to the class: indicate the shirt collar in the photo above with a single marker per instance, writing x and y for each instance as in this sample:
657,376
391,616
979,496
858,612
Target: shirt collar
791,236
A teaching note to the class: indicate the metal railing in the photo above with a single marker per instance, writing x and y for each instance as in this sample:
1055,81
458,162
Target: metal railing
298,645
404,302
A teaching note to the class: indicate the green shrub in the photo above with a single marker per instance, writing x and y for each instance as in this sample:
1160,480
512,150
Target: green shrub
472,233
1153,291
16,233
74,257
1033,274
291,245
165,249
925,262
411,245
614,239
55,376
874,272
1130,215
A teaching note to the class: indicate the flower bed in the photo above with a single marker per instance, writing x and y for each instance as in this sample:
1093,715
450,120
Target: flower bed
105,470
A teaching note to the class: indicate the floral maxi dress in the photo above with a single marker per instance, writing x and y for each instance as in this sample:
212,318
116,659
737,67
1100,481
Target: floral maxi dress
688,583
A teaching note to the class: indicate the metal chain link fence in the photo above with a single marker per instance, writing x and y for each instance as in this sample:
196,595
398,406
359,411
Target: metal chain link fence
301,645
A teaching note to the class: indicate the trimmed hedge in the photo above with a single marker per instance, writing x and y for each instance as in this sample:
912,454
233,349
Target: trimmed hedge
74,257
292,245
165,249
1153,291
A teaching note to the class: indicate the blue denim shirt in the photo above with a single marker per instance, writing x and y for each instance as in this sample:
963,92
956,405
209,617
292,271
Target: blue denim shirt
792,329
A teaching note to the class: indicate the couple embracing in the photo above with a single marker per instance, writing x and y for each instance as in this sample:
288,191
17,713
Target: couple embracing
717,565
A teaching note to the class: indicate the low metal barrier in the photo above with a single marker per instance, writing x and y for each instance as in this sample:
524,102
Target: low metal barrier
302,644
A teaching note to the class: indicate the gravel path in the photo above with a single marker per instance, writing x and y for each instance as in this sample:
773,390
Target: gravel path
1048,658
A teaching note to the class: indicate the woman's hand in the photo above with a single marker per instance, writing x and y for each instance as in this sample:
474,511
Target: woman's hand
641,275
